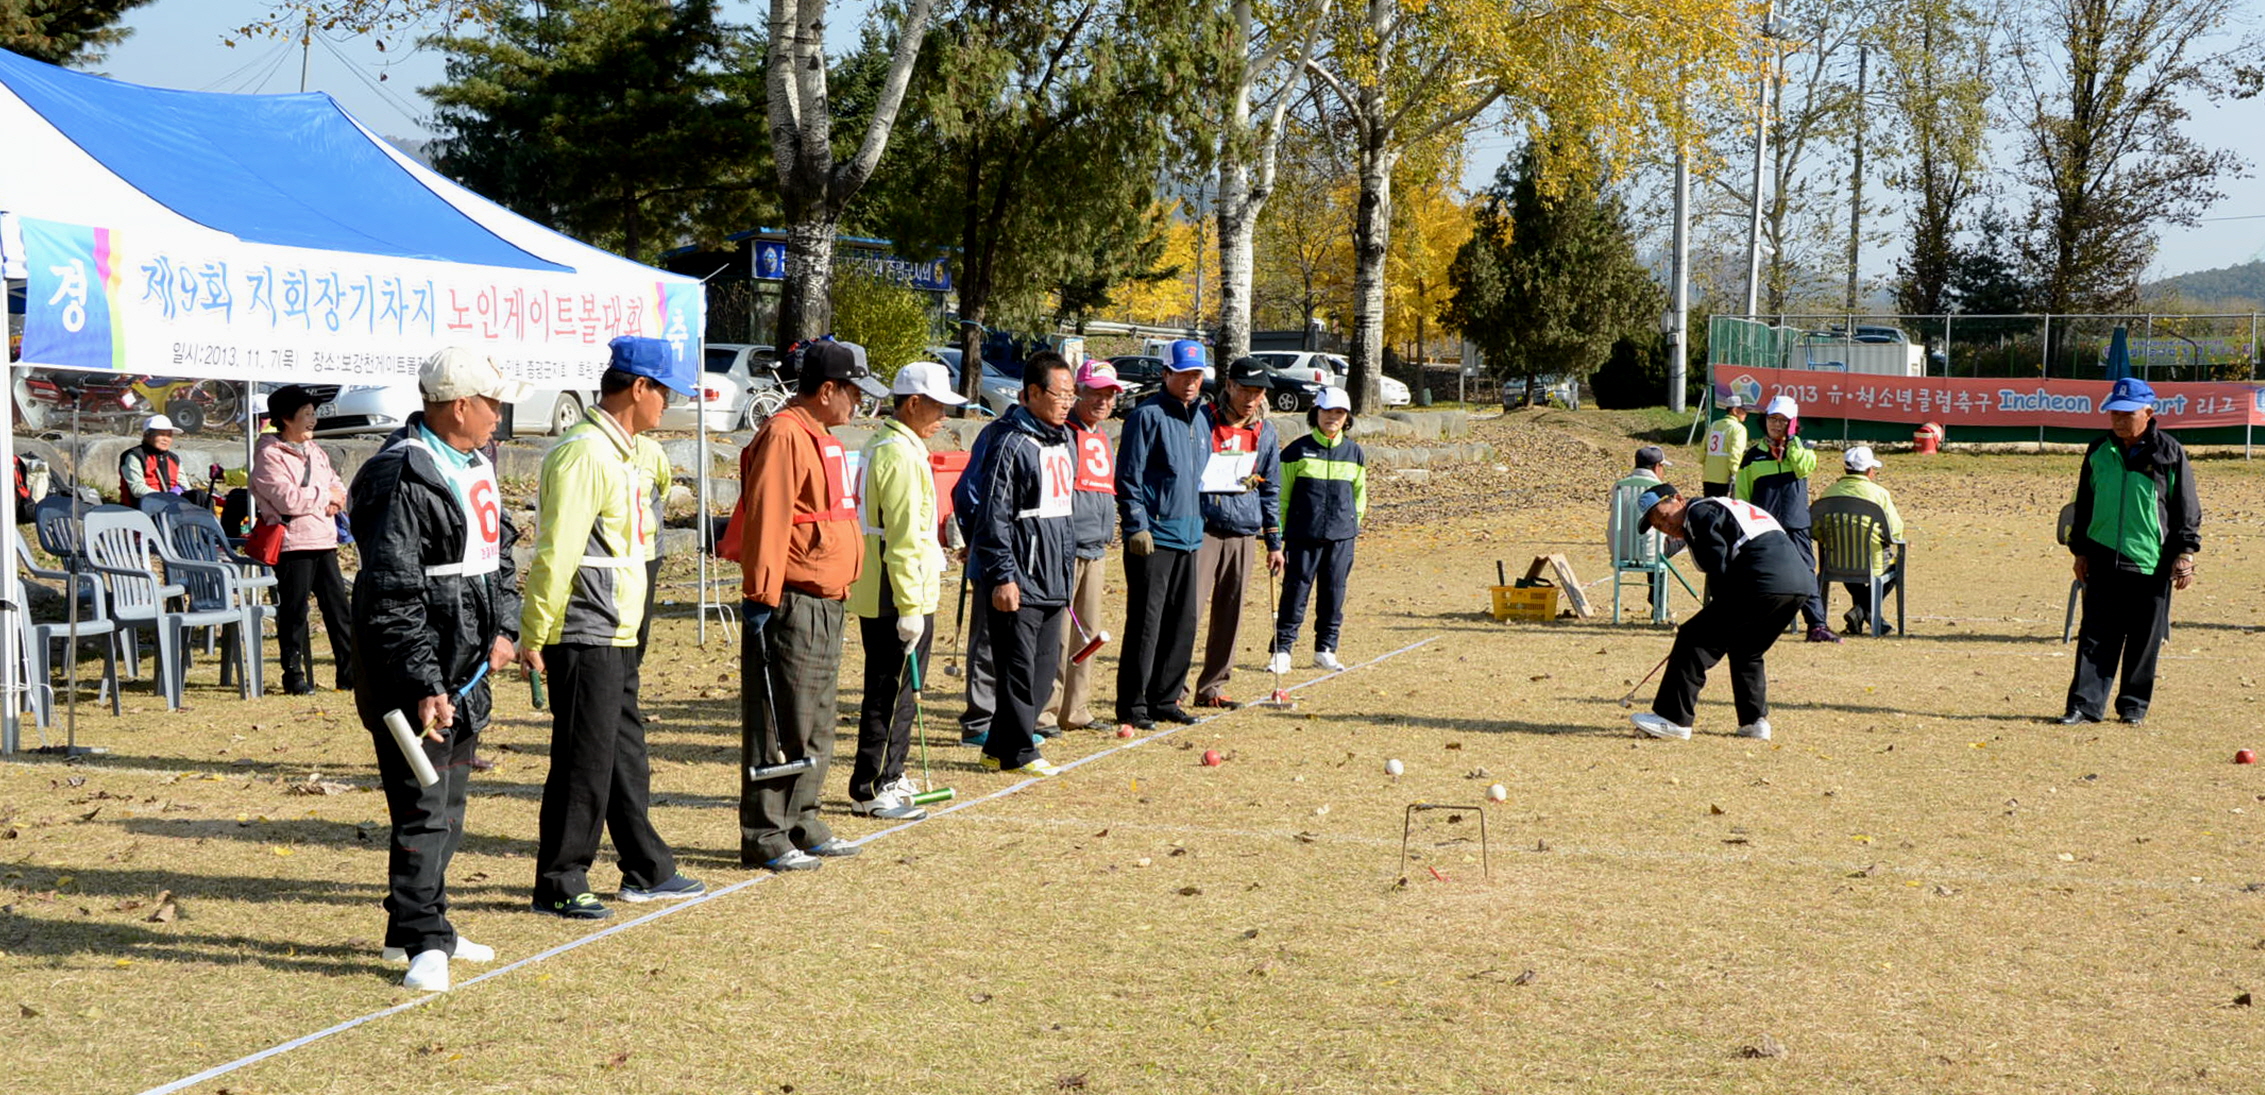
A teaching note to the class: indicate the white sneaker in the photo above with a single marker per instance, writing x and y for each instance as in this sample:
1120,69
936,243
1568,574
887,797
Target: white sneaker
903,788
1759,730
888,807
1279,663
1656,727
465,949
1327,659
428,972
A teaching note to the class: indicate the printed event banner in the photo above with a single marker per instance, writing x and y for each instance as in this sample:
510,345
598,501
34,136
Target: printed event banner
1985,401
128,301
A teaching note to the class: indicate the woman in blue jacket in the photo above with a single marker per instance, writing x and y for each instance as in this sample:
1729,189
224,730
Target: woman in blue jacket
1324,497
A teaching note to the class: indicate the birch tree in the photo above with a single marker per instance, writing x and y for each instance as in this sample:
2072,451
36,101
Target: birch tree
1266,56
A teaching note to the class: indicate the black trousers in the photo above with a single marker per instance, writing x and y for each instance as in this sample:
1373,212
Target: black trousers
2126,618
1812,609
1159,632
796,661
600,780
1322,566
982,678
428,824
884,716
1744,629
1026,650
297,574
1714,490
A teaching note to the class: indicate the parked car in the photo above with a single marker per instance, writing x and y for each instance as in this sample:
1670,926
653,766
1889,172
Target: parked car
1305,365
344,410
1395,393
742,388
1143,375
1557,389
1000,391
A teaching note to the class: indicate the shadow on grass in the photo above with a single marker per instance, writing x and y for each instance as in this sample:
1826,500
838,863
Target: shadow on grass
59,940
311,831
1471,725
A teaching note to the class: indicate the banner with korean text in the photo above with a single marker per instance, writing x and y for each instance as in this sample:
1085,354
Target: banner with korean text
1985,401
209,306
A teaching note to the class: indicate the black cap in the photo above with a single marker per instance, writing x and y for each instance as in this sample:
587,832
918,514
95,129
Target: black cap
843,361
1247,372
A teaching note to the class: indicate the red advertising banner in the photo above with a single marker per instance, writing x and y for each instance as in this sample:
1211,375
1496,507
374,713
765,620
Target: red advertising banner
1985,401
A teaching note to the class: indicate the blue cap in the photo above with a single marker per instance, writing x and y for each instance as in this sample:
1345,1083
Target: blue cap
650,358
1186,354
2130,394
1652,498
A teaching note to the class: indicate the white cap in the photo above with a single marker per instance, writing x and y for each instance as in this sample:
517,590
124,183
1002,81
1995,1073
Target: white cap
157,423
454,372
1783,404
1332,398
1733,401
928,378
1860,459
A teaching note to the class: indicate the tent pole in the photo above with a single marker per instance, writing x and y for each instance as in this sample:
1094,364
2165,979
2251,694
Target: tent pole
17,682
700,528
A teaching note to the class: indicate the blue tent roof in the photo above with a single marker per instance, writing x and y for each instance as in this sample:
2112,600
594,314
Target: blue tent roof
292,170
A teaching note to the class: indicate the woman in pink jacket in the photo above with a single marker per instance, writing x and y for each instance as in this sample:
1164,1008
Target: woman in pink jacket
294,484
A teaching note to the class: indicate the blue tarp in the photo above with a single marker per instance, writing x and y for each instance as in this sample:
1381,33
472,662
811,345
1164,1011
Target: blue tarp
291,170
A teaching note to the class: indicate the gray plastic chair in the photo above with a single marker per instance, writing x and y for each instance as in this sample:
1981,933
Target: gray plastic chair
40,638
126,550
195,534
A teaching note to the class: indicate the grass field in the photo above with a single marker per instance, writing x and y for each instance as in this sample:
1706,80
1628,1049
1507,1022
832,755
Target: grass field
1920,886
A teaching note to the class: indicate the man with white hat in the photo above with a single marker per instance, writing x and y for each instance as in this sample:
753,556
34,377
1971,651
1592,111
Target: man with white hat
1726,444
152,468
1775,476
895,595
1094,514
1862,481
435,612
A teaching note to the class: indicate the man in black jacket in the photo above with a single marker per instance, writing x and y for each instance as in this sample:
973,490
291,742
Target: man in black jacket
1760,582
2136,528
1025,559
435,611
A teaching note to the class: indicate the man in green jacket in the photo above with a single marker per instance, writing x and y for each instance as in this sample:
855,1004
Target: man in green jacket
896,594
2136,528
1774,475
1862,481
1726,445
581,619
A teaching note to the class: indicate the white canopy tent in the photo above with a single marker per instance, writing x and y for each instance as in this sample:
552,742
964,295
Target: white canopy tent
276,238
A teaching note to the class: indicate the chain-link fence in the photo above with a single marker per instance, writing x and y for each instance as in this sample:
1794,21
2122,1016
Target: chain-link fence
2067,347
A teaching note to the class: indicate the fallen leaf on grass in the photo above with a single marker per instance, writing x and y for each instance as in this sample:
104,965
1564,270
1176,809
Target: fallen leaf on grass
321,787
2242,1001
1306,838
1191,891
1715,810
89,815
1525,978
1736,840
1070,1082
1251,934
165,914
617,1060
29,1011
979,997
1767,1047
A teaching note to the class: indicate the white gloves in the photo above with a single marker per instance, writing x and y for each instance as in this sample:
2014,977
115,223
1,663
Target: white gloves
910,628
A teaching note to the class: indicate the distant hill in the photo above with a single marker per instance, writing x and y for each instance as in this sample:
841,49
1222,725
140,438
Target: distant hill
2237,288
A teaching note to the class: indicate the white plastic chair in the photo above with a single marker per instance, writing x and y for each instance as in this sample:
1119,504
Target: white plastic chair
126,550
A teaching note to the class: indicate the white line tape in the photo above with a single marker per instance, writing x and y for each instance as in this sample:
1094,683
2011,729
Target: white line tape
308,1039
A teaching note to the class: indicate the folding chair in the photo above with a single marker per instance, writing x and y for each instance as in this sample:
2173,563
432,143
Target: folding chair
1847,531
1638,550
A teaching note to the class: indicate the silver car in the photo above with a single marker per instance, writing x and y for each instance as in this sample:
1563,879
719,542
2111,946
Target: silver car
741,386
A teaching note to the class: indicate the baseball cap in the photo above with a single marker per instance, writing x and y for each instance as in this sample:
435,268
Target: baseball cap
650,358
1096,373
1652,456
1247,372
2130,394
1733,401
928,378
1332,398
1651,499
455,372
1860,459
1186,354
159,423
844,361
1783,404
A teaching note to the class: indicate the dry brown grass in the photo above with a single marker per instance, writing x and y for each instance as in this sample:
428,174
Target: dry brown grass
1918,887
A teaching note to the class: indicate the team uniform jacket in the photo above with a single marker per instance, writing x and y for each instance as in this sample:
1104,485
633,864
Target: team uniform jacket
1740,545
1159,468
1025,534
2136,509
587,581
797,512
896,508
1726,445
1780,486
437,585
1252,511
1324,488
967,494
1857,485
1094,509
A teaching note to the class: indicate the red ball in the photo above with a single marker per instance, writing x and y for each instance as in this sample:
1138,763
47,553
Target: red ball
1212,759
2245,756
1124,731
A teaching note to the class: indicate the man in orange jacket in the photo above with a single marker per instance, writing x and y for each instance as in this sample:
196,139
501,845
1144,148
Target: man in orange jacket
800,550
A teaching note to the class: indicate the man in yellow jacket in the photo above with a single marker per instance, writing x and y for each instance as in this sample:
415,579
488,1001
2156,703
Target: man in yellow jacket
1863,481
581,621
1726,447
895,595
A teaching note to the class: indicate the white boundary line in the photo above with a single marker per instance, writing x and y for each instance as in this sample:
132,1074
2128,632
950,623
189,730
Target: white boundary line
341,1028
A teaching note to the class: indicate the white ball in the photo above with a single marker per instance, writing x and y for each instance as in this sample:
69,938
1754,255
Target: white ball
1394,767
1497,793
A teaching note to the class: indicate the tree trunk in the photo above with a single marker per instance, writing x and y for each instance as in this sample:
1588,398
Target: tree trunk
1238,224
1372,238
806,303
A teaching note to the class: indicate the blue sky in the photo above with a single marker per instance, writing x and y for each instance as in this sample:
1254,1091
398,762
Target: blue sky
178,44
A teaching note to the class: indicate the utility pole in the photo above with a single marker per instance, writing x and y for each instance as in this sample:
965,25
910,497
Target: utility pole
1856,183
1761,142
1680,284
306,49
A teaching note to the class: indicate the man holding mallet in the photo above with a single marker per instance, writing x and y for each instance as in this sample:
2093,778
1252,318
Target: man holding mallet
435,610
1760,582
